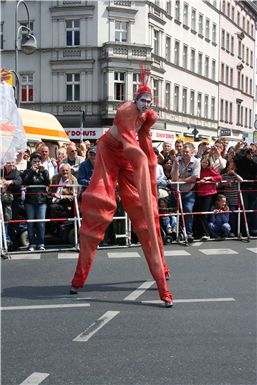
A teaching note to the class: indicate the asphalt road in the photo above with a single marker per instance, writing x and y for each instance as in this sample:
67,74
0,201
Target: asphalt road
116,332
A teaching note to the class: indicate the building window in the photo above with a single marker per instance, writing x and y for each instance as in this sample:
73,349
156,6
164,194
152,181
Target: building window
185,14
238,18
192,102
214,33
246,116
72,32
238,79
206,66
200,24
168,7
72,87
168,48
243,23
239,49
246,84
251,87
227,74
207,29
232,13
199,104
136,82
192,60
238,114
27,88
200,63
223,38
206,106
221,109
222,72
230,112
2,36
231,77
224,6
227,41
176,54
248,26
121,31
251,58
119,85
167,96
193,19
232,45
247,56
242,82
155,91
250,118
226,111
176,98
156,42
213,69
243,52
185,54
184,101
177,10
242,116
228,10
212,108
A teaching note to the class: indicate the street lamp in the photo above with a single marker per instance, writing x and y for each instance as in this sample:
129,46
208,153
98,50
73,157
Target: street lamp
28,44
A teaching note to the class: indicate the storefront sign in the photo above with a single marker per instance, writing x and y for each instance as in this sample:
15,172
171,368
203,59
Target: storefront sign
88,133
163,135
225,132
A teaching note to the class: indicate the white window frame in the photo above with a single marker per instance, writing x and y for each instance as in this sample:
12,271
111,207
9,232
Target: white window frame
74,83
73,31
119,85
121,31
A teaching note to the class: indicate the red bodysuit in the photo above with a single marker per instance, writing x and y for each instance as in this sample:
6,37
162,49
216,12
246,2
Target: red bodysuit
132,164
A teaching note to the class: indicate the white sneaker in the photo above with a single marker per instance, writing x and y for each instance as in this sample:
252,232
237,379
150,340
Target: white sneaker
31,248
41,248
205,238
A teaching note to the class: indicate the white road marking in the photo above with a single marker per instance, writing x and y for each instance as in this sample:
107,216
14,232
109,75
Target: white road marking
253,249
174,253
124,255
68,255
139,291
94,327
217,251
43,307
35,379
25,256
193,300
196,244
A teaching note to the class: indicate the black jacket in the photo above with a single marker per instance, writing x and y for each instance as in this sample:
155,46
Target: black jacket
36,195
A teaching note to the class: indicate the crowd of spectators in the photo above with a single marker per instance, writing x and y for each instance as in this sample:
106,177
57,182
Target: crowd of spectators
208,179
196,180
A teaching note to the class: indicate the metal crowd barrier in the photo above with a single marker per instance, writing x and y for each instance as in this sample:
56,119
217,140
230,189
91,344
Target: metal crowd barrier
180,214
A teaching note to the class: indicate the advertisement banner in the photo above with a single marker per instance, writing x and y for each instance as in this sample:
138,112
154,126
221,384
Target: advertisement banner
88,133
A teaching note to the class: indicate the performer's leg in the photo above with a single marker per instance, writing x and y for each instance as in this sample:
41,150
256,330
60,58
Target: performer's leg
131,203
98,207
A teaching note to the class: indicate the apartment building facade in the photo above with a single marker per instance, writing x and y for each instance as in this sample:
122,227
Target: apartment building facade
89,56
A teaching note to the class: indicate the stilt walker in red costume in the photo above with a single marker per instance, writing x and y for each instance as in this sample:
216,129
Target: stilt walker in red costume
132,164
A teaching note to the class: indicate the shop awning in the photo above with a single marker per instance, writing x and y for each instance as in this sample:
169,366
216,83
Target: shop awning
42,126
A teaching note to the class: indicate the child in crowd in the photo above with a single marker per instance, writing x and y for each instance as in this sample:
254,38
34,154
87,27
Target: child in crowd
231,178
168,222
205,193
219,226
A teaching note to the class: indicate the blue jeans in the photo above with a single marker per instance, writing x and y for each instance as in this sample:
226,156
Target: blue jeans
169,223
36,230
219,230
188,201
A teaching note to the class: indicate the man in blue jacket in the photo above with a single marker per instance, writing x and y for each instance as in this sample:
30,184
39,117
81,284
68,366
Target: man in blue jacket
86,168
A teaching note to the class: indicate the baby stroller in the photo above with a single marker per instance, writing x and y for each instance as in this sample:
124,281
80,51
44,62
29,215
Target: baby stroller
170,225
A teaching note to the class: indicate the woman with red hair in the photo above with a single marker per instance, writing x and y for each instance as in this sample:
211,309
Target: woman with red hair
131,163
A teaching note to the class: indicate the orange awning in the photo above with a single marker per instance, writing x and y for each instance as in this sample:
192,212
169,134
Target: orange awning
42,126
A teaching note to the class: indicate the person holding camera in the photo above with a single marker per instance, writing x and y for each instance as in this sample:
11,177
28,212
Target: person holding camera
36,178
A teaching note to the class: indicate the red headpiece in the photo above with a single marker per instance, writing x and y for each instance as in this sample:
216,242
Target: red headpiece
144,78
